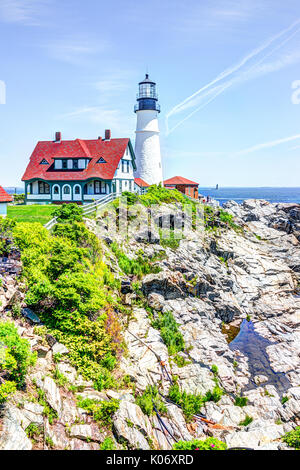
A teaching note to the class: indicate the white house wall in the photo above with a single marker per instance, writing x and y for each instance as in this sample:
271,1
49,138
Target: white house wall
124,180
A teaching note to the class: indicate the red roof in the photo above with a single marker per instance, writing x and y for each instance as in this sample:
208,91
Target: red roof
110,150
4,197
141,183
180,180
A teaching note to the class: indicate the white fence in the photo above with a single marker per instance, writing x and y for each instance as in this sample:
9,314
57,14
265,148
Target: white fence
88,208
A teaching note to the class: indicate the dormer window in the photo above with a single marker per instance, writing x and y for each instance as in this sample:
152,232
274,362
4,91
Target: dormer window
44,162
125,166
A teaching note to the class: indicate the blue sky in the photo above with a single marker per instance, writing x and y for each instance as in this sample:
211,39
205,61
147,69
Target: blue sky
224,69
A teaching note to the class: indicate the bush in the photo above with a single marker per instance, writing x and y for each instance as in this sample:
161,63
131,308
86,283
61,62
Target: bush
292,438
68,212
107,444
66,279
15,355
248,420
169,332
191,404
101,411
138,266
6,389
241,401
209,444
149,398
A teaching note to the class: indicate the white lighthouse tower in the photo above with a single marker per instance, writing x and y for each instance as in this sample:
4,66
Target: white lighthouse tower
147,144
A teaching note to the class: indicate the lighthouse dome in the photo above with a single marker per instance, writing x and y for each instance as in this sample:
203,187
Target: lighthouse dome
147,97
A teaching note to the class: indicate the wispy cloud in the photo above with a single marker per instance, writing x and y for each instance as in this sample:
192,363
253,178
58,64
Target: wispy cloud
75,50
22,11
103,117
114,82
267,145
250,67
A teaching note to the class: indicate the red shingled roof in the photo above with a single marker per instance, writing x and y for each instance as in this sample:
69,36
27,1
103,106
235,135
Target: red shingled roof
141,183
110,150
180,180
4,197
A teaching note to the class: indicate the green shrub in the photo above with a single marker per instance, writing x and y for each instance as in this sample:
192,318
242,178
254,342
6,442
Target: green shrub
108,444
138,266
169,332
104,381
292,438
68,212
15,355
284,399
209,444
66,279
191,404
241,401
6,389
149,398
248,420
101,411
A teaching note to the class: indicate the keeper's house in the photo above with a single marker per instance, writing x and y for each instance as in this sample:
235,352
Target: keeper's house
4,200
78,170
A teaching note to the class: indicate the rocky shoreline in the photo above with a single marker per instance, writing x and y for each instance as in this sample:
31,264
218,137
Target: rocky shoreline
229,279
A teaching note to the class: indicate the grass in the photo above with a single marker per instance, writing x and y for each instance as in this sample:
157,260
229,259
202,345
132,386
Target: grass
33,213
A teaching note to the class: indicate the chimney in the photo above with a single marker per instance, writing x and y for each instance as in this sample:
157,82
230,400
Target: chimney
107,134
57,137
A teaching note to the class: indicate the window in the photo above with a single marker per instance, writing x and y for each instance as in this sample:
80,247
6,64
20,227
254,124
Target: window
101,160
67,190
125,166
64,164
56,190
75,164
30,188
44,188
77,189
44,162
97,187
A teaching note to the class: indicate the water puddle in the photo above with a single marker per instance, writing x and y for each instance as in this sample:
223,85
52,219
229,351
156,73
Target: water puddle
230,331
253,345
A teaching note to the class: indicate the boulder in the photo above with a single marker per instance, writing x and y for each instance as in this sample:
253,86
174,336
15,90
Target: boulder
13,436
59,348
52,395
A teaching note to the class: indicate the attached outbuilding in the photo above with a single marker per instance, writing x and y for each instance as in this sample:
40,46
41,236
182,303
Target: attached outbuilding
140,186
185,186
5,198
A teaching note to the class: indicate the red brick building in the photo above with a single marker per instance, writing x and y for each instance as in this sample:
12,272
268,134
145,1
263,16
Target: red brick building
185,186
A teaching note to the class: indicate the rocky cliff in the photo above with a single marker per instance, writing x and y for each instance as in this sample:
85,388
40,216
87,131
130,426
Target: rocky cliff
232,292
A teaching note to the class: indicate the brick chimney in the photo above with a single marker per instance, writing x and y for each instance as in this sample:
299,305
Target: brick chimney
107,134
57,137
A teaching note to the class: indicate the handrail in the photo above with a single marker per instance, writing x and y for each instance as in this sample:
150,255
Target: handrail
88,208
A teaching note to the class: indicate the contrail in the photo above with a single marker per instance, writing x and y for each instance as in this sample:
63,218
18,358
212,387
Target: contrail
188,102
265,145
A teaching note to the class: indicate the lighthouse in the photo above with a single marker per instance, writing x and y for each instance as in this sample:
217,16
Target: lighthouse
147,144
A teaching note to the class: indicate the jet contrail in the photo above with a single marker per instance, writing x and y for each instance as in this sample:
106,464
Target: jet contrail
265,145
188,102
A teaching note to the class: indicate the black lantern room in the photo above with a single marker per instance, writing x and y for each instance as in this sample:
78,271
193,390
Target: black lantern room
147,97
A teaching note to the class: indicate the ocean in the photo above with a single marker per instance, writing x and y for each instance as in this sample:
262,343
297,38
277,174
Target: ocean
240,194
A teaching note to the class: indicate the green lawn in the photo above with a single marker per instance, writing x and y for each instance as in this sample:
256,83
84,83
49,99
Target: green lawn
34,213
